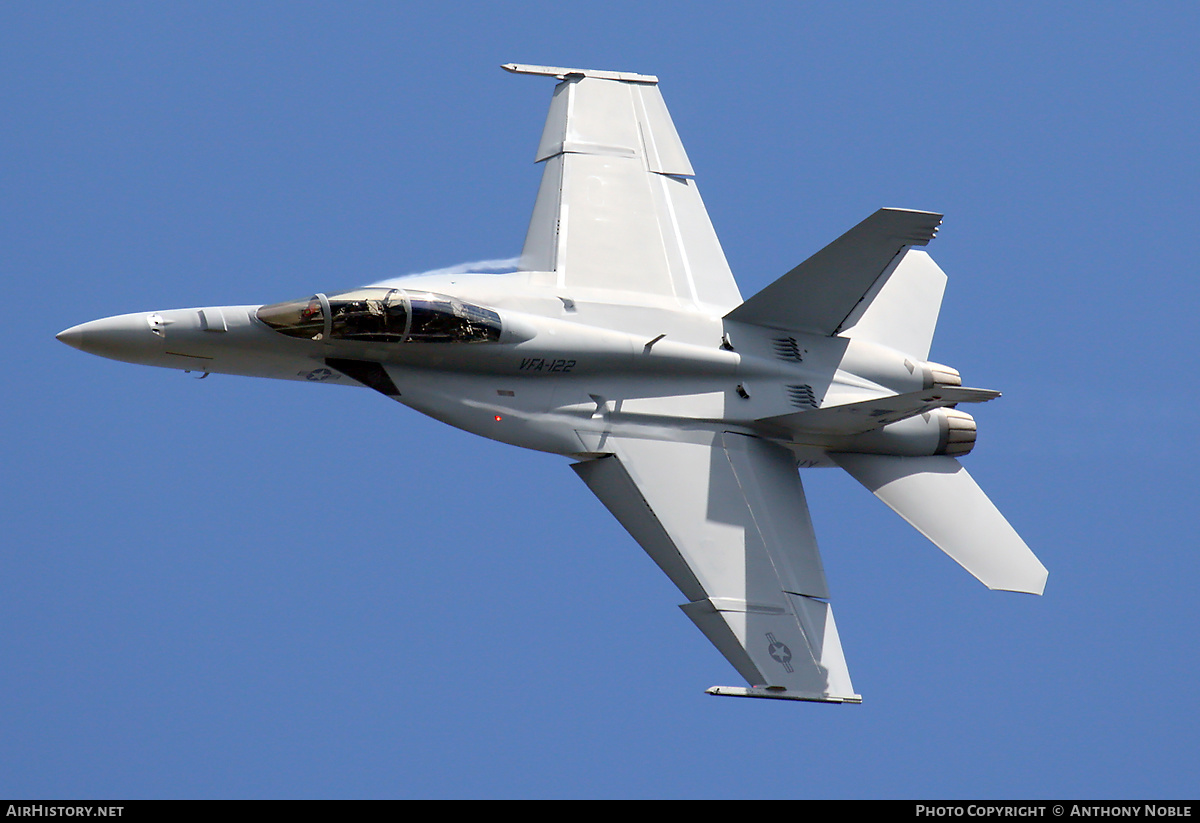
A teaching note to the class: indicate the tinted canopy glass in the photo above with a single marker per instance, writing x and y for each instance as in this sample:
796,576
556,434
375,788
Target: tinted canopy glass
437,318
374,315
382,315
297,318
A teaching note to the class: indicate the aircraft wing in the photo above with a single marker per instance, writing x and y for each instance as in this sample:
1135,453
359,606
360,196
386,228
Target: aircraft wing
725,517
617,209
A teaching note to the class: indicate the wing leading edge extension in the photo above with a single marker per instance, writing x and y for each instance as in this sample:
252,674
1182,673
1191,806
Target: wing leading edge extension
726,519
617,209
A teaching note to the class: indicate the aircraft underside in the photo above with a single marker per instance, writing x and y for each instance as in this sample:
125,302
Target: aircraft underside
623,343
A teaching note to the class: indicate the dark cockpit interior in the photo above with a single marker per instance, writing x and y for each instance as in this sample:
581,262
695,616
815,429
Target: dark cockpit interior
383,315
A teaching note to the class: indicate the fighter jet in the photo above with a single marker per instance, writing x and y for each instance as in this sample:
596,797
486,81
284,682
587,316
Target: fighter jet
622,342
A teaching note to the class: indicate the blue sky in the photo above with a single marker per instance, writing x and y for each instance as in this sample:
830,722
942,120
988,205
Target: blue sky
248,588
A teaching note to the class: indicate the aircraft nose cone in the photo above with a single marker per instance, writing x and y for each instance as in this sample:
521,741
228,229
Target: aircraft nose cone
73,336
128,337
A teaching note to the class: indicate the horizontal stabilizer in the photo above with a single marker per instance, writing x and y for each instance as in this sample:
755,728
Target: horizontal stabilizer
867,415
944,503
821,293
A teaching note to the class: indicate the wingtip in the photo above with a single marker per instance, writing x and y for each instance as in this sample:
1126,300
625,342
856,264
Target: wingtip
1035,587
562,73
933,219
775,693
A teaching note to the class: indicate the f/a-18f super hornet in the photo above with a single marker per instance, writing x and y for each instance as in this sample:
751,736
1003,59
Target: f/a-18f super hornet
623,343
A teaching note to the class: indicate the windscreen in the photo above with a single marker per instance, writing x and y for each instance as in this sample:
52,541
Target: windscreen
296,318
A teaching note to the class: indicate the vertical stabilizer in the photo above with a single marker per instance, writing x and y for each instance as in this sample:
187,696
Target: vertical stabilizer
901,309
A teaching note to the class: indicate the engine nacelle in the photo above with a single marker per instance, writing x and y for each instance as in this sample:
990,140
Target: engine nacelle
938,375
959,433
941,431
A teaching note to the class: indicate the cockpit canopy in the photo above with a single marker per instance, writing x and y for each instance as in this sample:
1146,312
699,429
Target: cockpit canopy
383,315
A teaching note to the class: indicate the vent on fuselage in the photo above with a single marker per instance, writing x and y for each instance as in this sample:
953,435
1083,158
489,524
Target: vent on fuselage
786,348
802,396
